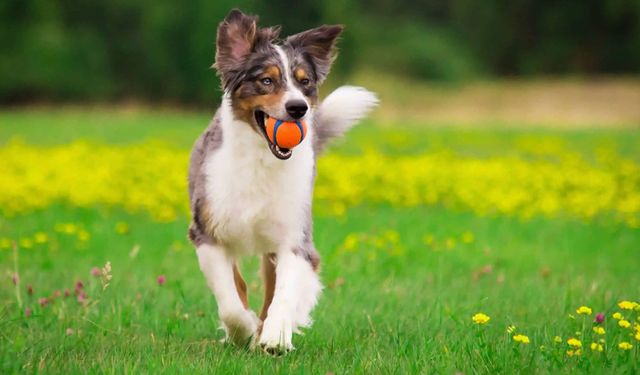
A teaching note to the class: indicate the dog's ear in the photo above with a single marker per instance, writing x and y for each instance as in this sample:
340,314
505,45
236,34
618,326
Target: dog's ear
319,44
236,36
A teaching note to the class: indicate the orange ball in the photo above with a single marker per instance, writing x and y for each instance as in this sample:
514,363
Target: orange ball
285,134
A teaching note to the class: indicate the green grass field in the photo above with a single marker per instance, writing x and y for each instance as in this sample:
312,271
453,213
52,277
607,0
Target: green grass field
402,282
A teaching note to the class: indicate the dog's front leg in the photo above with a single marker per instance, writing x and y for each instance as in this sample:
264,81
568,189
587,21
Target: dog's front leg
238,322
296,290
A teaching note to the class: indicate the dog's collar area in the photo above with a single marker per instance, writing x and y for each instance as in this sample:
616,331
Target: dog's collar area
277,151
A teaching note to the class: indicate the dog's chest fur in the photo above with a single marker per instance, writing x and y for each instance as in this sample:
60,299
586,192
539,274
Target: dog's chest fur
256,202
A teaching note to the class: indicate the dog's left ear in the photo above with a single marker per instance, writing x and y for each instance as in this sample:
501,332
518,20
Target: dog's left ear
319,44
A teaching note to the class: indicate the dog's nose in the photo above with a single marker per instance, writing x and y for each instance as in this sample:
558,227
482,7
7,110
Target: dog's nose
296,108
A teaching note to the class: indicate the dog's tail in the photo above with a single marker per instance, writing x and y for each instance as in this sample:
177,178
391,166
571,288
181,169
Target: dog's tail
340,111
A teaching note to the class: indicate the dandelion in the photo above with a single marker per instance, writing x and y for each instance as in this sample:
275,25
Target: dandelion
41,237
596,347
161,280
83,236
574,342
521,339
511,329
480,318
95,272
637,336
26,243
557,339
583,310
627,305
599,330
625,346
27,312
617,316
468,237
599,318
624,323
572,352
5,243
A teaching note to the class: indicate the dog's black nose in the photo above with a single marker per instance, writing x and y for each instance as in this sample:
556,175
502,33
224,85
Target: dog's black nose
296,108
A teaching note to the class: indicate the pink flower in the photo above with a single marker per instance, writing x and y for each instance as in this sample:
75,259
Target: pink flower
95,272
43,301
56,294
27,312
79,286
15,279
599,318
82,297
67,293
29,290
162,279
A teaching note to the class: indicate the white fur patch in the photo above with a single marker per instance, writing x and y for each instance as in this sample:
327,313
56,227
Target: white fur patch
259,201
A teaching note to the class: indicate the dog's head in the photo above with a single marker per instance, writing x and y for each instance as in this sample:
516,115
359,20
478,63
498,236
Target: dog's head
265,78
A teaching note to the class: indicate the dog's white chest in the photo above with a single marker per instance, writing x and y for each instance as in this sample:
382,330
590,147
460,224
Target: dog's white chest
257,202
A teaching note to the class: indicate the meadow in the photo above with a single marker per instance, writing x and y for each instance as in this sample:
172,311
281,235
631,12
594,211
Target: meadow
444,250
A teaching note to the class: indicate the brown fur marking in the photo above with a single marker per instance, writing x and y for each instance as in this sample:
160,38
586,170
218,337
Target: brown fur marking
241,286
269,278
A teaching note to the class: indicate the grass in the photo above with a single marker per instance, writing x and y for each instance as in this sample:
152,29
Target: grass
399,299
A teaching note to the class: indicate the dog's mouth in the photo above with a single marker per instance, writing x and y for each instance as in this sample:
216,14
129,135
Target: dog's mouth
277,151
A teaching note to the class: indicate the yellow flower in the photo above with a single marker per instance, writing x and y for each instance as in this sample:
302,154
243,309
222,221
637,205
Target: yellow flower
617,315
583,310
83,235
511,329
627,305
624,323
637,336
41,237
596,347
576,352
625,346
557,339
599,330
480,318
521,339
5,243
468,237
26,243
574,342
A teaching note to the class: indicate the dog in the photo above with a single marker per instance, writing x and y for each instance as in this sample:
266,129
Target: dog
249,196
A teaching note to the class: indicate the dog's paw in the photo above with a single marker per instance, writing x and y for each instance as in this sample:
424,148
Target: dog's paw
239,326
275,338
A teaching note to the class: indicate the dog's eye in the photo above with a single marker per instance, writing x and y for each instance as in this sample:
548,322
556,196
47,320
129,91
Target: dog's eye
266,81
305,81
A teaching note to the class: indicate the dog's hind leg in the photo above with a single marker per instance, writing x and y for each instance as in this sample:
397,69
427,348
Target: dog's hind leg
238,321
241,286
297,288
269,280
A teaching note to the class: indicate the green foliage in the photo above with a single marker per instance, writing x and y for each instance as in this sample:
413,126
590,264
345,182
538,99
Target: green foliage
161,50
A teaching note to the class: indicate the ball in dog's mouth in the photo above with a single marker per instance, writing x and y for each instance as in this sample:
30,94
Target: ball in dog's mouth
277,151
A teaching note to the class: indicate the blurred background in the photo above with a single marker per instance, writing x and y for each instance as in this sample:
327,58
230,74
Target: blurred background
160,52
501,174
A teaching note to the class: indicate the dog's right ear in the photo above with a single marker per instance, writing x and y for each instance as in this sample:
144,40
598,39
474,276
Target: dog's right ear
236,36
